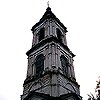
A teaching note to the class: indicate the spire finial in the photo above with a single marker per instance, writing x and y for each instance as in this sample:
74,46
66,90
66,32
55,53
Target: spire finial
48,3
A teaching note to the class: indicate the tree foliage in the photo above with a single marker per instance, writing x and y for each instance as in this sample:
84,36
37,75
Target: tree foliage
97,92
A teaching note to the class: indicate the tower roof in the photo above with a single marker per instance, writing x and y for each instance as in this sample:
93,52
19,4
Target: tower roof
47,15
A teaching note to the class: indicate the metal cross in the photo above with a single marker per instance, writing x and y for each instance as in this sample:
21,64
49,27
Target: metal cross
48,3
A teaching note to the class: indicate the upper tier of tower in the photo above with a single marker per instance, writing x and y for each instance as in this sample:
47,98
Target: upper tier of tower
49,28
49,25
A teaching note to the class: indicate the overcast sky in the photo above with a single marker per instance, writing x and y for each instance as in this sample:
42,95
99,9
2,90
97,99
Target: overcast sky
82,19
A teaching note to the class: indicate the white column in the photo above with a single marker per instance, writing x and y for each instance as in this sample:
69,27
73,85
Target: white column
65,41
58,57
53,55
50,28
46,58
47,29
33,66
49,57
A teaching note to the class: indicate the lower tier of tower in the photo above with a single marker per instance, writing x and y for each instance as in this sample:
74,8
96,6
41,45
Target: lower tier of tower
51,85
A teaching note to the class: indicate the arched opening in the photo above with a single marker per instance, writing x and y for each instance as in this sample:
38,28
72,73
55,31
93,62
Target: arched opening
65,64
59,35
41,34
39,64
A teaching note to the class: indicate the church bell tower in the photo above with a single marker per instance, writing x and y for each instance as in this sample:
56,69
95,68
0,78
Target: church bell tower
50,72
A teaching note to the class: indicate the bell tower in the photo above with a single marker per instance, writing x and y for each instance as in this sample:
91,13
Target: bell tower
50,72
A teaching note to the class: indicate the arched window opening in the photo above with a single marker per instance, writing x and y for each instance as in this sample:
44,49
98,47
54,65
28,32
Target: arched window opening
39,64
65,64
59,35
41,34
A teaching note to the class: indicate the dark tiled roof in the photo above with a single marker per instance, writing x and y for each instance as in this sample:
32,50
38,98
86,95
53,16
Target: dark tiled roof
47,15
